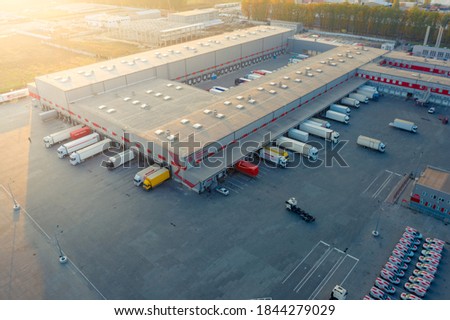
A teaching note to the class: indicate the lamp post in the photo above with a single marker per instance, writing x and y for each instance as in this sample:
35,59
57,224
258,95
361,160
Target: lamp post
62,257
16,206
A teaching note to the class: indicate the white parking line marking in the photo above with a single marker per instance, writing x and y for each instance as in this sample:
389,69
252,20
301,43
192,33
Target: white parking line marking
303,260
312,270
235,185
357,260
373,181
382,186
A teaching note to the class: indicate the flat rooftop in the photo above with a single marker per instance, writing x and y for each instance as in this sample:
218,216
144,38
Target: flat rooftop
435,178
403,73
193,12
399,55
82,76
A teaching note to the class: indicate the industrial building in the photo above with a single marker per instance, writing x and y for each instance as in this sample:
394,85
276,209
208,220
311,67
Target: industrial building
431,193
146,100
194,16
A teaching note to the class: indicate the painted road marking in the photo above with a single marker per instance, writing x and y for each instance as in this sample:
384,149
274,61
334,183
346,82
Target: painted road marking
312,270
382,186
373,181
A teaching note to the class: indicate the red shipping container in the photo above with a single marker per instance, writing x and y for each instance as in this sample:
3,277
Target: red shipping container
79,133
247,168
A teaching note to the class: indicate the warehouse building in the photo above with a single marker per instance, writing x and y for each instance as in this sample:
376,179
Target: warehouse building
431,193
194,16
146,100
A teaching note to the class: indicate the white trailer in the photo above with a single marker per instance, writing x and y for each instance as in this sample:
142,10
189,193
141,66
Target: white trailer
323,123
340,109
59,136
404,125
368,93
360,97
325,133
297,146
141,175
253,76
371,143
78,144
350,102
298,135
90,151
119,159
368,88
337,116
48,115
274,157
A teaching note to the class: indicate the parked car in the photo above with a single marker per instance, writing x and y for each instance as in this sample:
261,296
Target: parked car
398,262
390,276
423,274
416,289
435,241
404,249
411,238
401,255
429,260
378,294
431,254
431,110
426,267
409,296
367,297
393,268
433,247
384,285
420,281
223,190
414,232
409,243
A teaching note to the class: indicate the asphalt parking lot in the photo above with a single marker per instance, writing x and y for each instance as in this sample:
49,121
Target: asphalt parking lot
171,243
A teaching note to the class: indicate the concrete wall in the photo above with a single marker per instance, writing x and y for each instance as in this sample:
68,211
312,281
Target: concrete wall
300,46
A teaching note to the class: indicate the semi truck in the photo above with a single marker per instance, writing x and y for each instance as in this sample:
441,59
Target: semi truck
156,178
81,155
350,102
337,116
369,94
341,109
322,122
298,135
119,159
272,156
141,175
371,143
48,115
304,149
291,205
59,136
325,133
369,88
247,168
360,97
253,76
81,132
78,144
404,125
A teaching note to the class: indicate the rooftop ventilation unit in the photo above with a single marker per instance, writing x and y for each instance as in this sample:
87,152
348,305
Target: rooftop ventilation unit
158,94
309,74
341,60
252,101
273,83
334,64
126,99
159,131
272,92
227,103
123,61
339,54
330,58
217,42
167,98
197,126
220,115
358,52
145,106
165,55
283,86
286,78
89,73
111,68
260,88
365,49
239,97
135,102
233,38
149,91
178,87
308,68
65,79
184,121
207,111
323,62
171,137
177,52
102,107
111,111
239,106
319,70
298,80
103,67
143,60
131,63
298,72
169,85
350,56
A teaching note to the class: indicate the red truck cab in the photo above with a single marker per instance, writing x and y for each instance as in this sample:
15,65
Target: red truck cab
79,133
247,168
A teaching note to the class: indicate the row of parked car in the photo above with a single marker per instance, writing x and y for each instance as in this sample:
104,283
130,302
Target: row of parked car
394,269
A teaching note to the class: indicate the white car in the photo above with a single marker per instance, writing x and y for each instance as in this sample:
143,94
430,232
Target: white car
366,297
416,289
423,274
378,294
401,255
435,241
433,247
398,262
429,260
404,249
414,232
390,276
426,267
431,110
223,190
420,281
384,285
409,243
393,268
409,296
411,238
431,254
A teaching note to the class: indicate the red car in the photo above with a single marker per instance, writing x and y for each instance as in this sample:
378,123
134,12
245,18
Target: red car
411,238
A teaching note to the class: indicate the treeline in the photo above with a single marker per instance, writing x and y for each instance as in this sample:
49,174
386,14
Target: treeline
377,21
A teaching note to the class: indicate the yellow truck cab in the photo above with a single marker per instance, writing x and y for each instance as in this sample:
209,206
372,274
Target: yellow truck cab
156,178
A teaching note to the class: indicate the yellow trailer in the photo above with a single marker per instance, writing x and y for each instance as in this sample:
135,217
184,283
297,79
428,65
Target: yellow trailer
278,151
156,178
